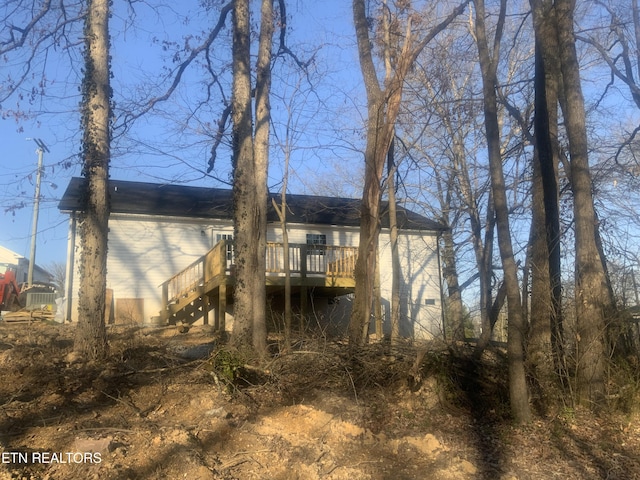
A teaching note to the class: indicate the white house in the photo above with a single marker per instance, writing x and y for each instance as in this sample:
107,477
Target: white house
20,265
171,257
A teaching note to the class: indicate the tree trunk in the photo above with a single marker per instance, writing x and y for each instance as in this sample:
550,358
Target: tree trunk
484,260
518,391
395,255
591,294
539,344
250,162
377,146
91,339
261,159
281,210
245,212
287,279
454,309
547,336
366,263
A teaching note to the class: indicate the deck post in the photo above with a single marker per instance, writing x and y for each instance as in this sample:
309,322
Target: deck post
222,308
303,287
164,313
215,300
206,302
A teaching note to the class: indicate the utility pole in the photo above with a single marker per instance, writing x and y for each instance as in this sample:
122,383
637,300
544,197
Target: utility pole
36,207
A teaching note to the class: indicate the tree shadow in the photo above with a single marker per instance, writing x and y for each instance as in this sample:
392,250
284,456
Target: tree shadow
594,451
47,391
476,389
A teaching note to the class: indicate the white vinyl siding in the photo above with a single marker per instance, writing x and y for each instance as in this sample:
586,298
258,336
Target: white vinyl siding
145,251
419,283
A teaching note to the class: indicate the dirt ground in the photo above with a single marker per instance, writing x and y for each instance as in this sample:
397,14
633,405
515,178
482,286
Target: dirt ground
164,407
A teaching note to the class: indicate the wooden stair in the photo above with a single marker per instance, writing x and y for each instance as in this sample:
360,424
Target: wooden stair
189,309
206,283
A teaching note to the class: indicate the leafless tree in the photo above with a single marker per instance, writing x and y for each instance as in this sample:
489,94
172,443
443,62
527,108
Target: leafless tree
295,100
618,45
546,339
58,271
250,163
593,302
441,125
488,58
91,336
31,31
383,104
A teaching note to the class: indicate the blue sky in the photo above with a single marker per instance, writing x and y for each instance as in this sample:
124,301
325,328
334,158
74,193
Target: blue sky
158,149
163,148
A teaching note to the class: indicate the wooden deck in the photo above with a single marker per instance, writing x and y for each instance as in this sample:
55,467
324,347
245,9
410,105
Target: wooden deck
208,282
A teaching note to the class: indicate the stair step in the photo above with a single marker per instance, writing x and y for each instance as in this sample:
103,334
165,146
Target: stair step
187,312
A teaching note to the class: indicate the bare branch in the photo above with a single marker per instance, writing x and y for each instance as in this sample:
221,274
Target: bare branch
459,10
14,43
179,71
34,41
283,48
628,80
626,143
222,123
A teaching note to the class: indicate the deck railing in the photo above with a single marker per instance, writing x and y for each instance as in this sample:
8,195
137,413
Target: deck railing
215,262
304,260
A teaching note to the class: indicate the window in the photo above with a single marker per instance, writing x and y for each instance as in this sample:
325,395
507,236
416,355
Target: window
226,236
223,236
316,242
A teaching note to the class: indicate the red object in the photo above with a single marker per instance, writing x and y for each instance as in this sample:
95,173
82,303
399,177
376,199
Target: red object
9,291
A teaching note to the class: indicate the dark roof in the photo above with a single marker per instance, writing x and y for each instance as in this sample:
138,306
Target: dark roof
216,203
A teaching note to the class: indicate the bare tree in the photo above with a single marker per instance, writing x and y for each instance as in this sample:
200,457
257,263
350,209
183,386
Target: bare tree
34,30
593,301
618,44
58,271
392,167
91,337
488,58
546,339
383,106
614,37
250,162
439,120
299,89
